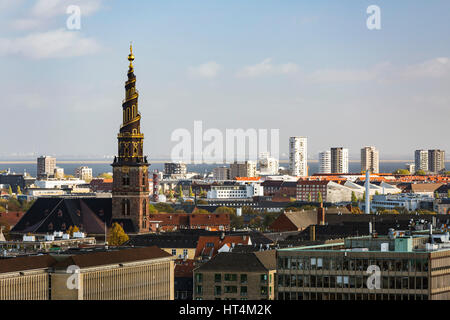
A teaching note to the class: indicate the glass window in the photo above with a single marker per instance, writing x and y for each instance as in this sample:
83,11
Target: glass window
217,277
198,277
217,290
230,289
243,278
199,290
244,291
263,278
230,277
263,290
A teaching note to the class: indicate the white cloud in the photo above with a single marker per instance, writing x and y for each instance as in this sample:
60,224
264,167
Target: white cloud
45,12
351,75
206,70
266,67
52,44
434,68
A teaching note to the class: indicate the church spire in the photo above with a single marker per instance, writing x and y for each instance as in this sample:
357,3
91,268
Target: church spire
131,56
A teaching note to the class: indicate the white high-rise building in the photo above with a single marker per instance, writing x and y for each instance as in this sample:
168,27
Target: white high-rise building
267,164
370,159
84,173
339,160
421,160
325,162
298,156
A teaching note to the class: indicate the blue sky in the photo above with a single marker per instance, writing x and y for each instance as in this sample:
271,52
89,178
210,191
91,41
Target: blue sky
309,68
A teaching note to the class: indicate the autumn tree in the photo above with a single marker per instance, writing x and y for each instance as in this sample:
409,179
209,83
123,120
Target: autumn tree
116,235
72,229
319,197
10,191
225,210
18,190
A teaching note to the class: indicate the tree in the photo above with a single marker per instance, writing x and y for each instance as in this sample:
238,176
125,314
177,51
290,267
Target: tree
163,207
309,197
180,191
354,199
18,190
191,194
10,191
105,175
68,176
377,193
161,191
116,235
236,221
200,211
401,171
72,229
448,193
421,173
152,209
319,197
226,210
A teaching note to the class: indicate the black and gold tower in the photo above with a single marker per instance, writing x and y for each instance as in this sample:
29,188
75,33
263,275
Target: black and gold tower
130,192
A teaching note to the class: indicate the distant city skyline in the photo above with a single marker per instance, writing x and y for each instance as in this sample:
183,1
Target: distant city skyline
308,69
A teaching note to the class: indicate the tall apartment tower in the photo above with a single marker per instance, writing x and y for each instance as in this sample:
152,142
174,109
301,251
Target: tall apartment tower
298,156
436,160
267,164
325,162
130,191
45,166
421,160
175,168
339,160
370,160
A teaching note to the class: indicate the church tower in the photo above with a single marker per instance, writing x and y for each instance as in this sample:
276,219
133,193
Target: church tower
130,191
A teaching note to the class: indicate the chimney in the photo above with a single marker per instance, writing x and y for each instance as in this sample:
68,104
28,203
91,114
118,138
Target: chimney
312,232
321,215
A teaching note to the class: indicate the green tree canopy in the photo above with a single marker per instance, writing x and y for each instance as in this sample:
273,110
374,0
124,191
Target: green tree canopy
105,175
10,191
164,207
354,199
401,171
319,197
225,210
421,173
152,209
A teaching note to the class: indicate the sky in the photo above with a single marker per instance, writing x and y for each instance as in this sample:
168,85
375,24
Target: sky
307,68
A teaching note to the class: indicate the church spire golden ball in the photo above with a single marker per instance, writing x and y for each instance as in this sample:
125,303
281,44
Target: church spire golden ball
131,56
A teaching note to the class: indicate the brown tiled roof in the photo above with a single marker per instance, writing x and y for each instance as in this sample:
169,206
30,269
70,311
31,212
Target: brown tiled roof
425,187
26,263
11,218
113,257
267,258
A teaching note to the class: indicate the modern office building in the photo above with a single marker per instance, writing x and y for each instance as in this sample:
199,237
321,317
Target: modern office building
421,160
394,267
45,166
339,160
236,276
325,162
221,173
246,169
84,173
298,156
175,168
436,160
370,160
